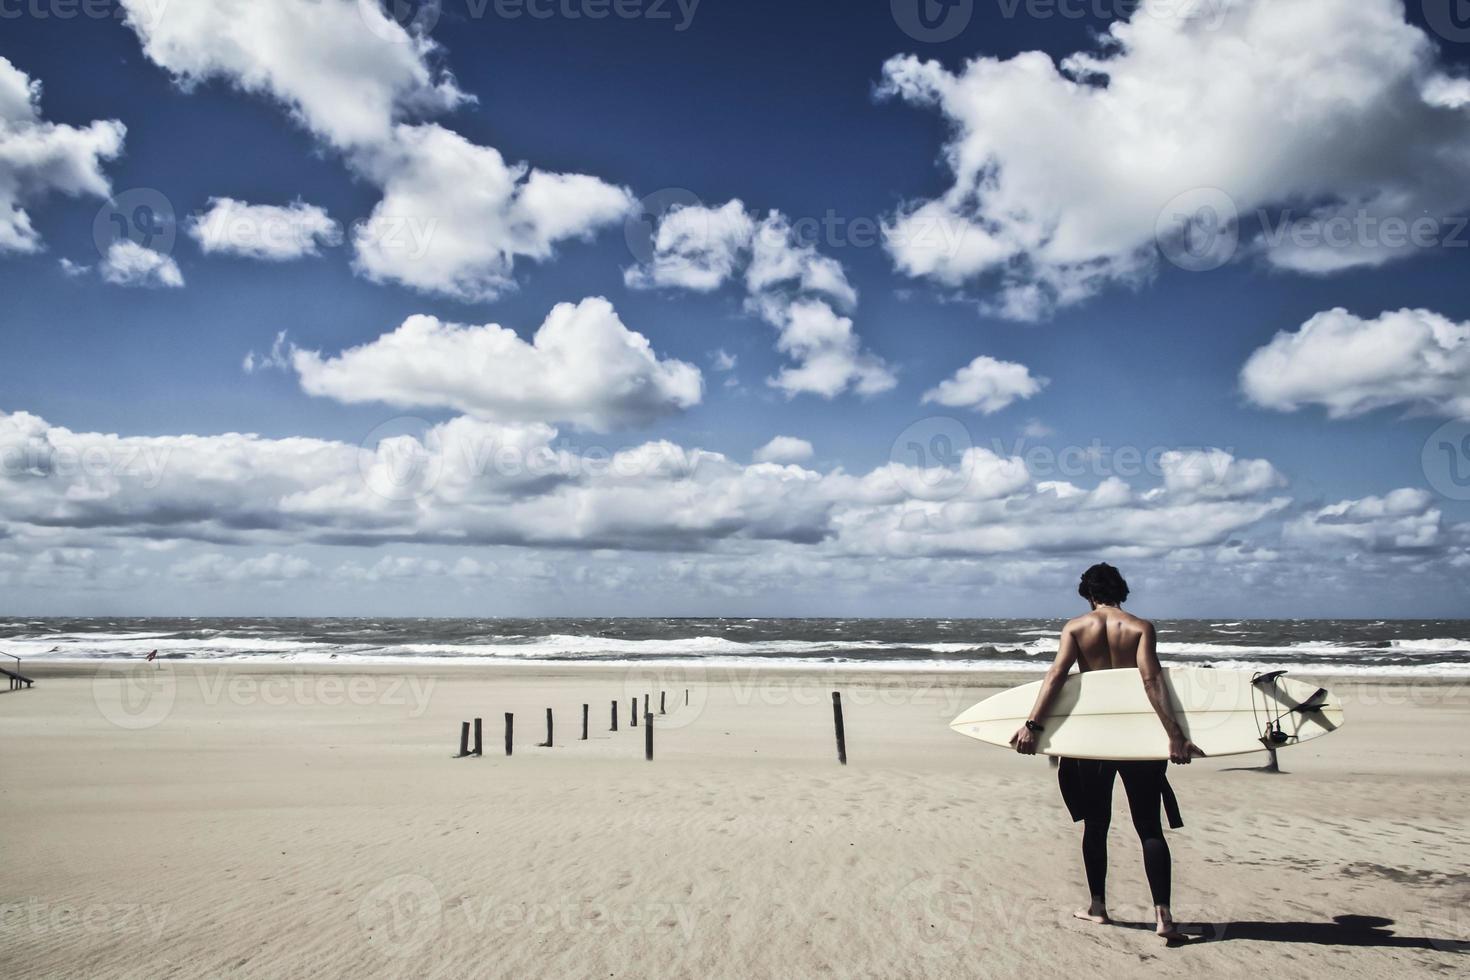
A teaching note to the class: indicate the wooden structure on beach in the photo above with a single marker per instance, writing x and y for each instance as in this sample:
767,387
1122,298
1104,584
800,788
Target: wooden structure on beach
16,678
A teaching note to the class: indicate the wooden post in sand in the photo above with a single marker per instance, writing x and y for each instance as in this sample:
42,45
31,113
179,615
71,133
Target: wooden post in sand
633,713
584,721
547,744
615,715
479,745
464,739
510,727
841,732
661,696
645,704
648,736
686,697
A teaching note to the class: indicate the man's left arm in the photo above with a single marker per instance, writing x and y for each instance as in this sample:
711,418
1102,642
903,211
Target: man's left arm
1181,750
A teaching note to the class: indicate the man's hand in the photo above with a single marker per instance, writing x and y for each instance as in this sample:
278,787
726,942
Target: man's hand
1024,741
1182,751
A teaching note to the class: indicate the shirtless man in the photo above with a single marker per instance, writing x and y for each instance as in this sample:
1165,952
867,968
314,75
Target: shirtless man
1107,638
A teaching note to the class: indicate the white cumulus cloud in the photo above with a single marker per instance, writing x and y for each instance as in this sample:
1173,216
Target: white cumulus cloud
343,69
454,216
1063,171
784,449
38,158
1412,358
470,482
1403,520
129,264
696,248
986,385
583,366
263,231
788,283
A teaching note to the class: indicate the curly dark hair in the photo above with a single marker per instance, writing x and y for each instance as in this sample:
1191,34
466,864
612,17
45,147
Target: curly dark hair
1103,584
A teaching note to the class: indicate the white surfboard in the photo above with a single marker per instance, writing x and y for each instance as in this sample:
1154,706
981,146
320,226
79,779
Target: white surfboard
1106,714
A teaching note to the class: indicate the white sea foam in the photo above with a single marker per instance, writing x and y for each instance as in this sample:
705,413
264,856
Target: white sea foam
1030,649
1434,644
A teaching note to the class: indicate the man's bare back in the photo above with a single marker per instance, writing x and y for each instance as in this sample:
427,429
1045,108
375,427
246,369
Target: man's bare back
1108,638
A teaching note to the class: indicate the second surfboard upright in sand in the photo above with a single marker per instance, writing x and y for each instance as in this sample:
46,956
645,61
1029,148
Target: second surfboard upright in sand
1106,714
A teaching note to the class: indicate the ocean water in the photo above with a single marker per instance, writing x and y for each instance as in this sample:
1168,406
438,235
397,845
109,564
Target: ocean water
1423,647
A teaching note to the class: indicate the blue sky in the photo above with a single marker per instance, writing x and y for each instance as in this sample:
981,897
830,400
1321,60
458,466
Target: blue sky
1319,504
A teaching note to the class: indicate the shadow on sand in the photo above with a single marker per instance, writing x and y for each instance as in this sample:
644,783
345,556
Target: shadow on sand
1266,770
1343,930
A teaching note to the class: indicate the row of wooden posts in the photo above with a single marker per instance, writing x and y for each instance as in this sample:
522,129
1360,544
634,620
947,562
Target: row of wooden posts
510,721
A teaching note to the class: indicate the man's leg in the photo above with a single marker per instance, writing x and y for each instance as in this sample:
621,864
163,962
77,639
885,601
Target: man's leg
1144,784
1098,783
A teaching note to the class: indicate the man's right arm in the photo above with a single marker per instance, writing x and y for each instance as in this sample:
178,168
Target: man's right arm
1024,741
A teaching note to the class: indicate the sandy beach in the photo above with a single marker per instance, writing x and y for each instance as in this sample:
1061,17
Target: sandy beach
258,821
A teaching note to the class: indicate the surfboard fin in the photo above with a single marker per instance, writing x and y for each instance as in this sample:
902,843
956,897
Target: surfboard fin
1316,702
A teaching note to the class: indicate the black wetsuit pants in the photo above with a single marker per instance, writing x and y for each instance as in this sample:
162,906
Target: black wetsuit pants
1145,784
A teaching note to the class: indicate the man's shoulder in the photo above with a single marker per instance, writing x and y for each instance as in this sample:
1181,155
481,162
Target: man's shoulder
1141,624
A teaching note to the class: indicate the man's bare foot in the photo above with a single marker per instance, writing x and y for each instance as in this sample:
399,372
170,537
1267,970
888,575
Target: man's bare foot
1166,929
1096,912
